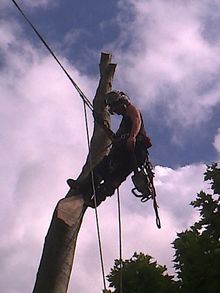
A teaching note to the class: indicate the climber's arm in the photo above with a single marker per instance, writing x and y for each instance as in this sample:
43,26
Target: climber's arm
135,117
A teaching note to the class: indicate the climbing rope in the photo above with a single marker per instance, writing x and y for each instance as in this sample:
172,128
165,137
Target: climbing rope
95,199
82,95
120,239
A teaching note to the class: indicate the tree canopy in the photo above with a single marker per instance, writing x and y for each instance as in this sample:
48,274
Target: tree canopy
197,256
141,274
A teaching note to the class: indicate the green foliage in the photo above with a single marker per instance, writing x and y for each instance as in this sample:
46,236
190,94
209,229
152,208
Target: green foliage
213,175
197,256
141,274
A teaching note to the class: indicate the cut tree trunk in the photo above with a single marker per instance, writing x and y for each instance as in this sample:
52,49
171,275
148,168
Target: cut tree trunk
58,252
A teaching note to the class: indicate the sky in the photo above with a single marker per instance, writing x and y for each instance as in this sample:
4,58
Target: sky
168,63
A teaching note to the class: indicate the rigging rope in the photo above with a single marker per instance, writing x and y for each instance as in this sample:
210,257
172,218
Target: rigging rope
95,199
82,95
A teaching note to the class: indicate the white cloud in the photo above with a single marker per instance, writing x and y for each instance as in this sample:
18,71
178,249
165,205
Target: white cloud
216,142
169,62
43,142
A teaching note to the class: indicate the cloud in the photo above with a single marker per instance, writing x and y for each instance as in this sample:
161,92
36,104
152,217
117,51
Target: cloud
216,142
167,61
43,142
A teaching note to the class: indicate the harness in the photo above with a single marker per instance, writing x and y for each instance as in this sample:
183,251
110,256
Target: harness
143,175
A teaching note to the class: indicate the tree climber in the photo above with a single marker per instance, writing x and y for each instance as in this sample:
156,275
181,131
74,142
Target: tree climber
129,150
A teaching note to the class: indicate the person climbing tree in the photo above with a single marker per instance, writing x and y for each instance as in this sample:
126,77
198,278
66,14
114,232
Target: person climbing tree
129,150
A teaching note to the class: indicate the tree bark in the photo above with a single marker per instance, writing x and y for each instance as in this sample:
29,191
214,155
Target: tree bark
100,141
58,253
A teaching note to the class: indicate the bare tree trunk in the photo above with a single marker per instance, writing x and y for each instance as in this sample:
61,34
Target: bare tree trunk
60,242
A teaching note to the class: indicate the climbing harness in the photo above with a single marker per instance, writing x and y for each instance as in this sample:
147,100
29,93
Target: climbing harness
144,185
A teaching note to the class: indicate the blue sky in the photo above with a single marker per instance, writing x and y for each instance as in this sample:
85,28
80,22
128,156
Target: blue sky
168,63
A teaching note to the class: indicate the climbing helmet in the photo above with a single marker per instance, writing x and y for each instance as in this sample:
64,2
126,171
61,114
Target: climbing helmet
115,98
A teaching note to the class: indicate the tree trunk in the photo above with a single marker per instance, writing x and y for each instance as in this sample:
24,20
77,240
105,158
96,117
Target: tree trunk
100,141
59,247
